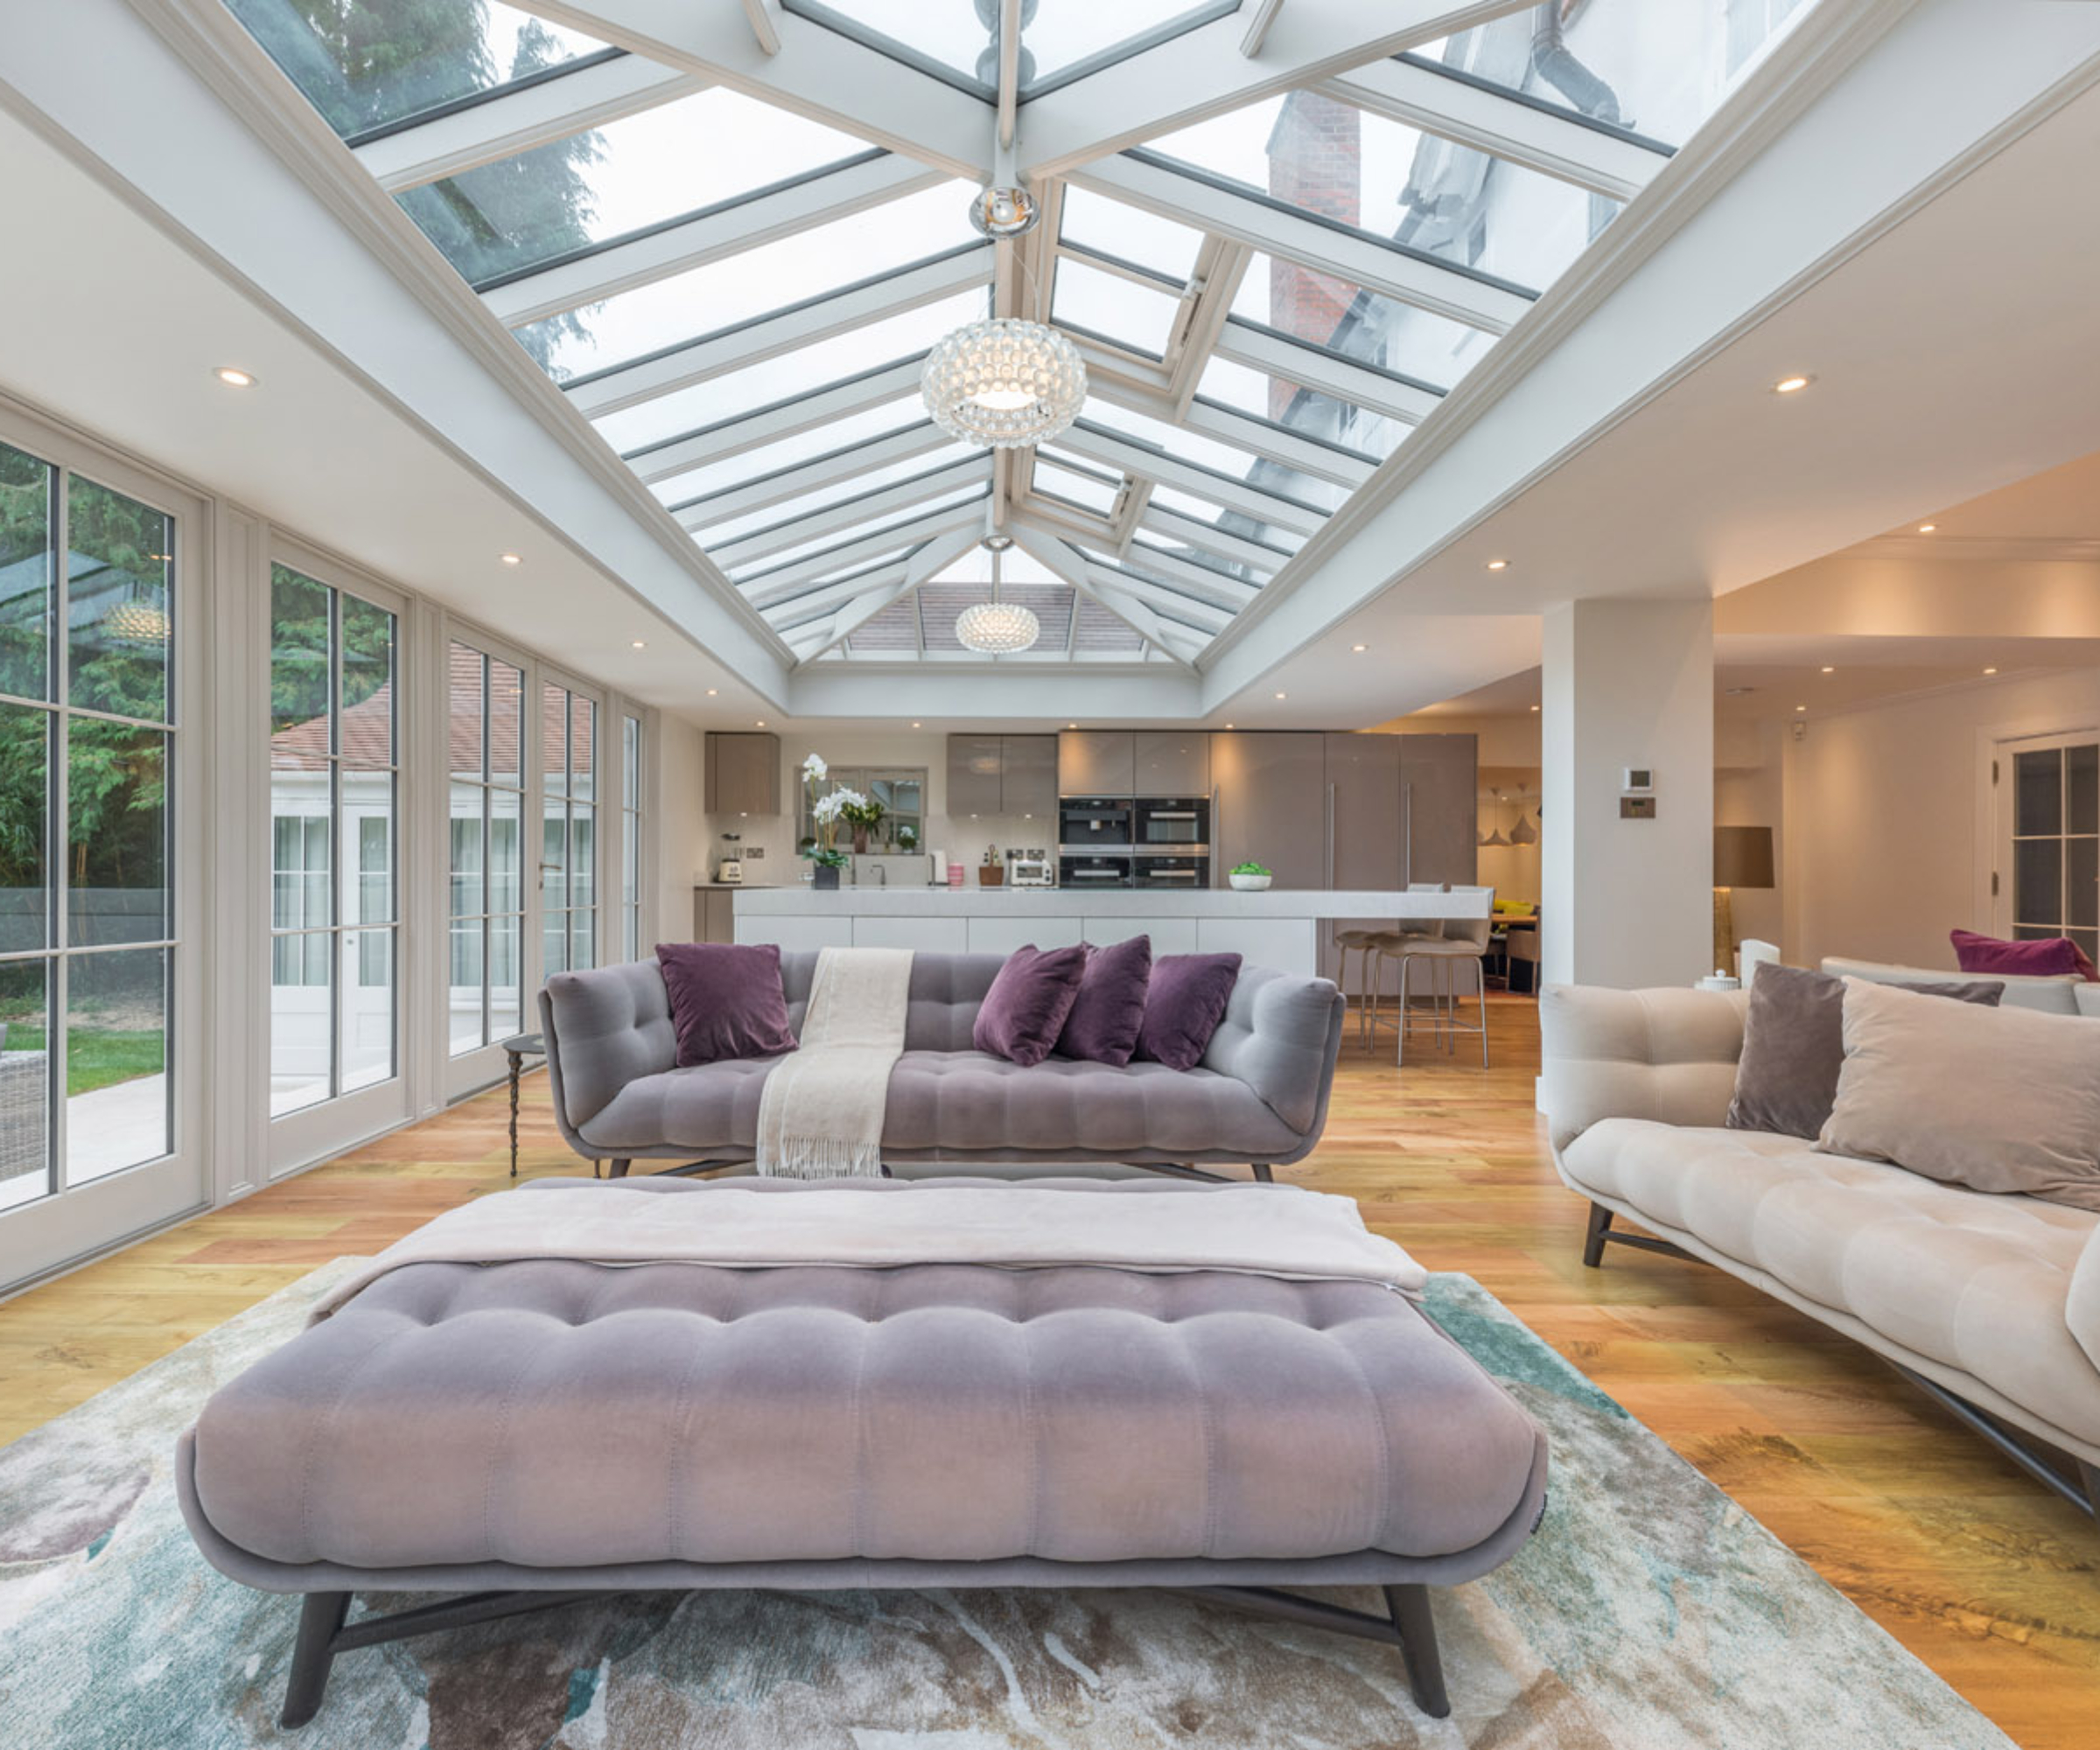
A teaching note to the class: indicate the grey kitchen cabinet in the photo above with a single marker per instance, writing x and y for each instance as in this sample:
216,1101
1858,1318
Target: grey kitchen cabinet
974,763
714,914
1001,774
1440,808
1097,762
1174,762
742,773
1028,777
1363,844
1269,805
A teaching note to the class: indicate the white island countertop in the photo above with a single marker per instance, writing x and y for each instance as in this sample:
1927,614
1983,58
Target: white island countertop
1281,927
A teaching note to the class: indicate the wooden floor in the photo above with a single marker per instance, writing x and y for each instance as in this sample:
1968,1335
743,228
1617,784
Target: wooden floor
1982,1573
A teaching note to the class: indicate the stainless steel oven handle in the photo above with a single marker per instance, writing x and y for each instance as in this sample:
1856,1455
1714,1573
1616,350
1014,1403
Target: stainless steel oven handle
1170,814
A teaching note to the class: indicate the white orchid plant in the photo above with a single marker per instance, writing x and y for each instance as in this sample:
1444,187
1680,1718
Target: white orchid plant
824,812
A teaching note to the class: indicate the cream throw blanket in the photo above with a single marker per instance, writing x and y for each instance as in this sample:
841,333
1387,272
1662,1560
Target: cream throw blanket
820,1112
1273,1230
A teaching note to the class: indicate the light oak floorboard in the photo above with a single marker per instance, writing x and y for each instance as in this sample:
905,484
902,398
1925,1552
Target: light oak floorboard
1981,1573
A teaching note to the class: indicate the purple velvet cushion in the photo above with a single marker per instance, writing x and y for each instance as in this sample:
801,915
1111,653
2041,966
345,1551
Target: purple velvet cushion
1024,1010
1183,1005
726,1002
2052,957
1110,1008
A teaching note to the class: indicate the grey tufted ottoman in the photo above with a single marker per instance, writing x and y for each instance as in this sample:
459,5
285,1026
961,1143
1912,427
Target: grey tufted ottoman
527,1432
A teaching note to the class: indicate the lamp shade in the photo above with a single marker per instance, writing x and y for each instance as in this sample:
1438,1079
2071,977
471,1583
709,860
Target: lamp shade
1742,857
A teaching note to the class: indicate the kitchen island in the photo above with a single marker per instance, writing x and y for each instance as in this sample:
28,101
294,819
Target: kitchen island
1280,928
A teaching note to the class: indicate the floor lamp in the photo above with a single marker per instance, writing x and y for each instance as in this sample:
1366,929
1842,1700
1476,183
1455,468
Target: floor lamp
1742,858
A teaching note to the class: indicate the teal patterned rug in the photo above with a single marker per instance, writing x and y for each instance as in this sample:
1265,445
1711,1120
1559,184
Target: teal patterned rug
1648,1611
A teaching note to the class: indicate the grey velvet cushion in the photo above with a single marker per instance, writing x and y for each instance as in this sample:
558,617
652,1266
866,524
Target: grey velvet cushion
2004,1102
556,1413
1786,1080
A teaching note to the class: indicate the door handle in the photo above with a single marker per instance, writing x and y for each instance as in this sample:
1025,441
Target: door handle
1217,834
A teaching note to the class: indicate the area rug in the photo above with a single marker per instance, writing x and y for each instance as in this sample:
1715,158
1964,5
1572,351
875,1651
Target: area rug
1648,1611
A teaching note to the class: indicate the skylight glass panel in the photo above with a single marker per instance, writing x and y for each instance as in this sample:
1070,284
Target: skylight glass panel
787,453
1239,571
1088,491
1377,330
629,176
846,571
1391,183
829,497
704,300
1139,319
369,65
1187,446
1108,228
881,524
1613,63
793,373
1246,527
1281,402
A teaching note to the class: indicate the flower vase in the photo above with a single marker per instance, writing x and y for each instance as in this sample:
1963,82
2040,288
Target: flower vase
824,878
860,841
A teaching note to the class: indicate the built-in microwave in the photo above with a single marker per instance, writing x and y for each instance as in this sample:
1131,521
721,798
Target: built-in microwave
1085,824
1172,823
1073,870
1155,871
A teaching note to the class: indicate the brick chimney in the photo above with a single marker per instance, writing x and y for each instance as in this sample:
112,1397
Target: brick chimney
1315,163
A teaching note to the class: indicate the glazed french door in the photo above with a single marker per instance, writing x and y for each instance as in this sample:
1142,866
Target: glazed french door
100,678
2046,866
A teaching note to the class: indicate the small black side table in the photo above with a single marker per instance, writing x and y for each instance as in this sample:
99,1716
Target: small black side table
517,1049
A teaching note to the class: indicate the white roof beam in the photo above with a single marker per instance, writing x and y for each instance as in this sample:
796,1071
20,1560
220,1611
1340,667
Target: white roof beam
935,556
503,126
1204,72
814,475
1169,471
765,24
1478,300
1264,349
1066,563
1244,431
849,514
1229,593
1207,617
781,331
1560,143
816,72
783,419
786,583
1171,525
727,230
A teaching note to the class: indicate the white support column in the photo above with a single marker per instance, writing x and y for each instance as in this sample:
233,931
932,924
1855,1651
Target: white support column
1627,902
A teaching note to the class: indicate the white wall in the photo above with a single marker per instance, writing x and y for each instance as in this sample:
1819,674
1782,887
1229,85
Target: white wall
1884,846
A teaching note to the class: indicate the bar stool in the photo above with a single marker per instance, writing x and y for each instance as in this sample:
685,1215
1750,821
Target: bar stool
1461,940
1391,945
1360,942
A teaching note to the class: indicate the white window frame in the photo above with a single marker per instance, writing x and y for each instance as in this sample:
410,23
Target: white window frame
1994,869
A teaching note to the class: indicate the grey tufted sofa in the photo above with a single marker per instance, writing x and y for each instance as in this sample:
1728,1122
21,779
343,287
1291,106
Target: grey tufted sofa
1258,1098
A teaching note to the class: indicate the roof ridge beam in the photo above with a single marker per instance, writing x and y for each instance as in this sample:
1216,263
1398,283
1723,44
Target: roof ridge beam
515,121
1616,165
871,179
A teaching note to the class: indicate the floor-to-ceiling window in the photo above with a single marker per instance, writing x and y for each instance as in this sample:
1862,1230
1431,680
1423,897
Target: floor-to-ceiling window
568,829
334,806
485,729
87,924
630,837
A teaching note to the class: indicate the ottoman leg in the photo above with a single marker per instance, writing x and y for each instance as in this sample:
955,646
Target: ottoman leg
1262,1174
1592,1238
1409,1606
321,1620
619,1170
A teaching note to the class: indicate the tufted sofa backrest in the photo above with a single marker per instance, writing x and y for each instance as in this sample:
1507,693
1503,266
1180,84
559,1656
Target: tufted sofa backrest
946,992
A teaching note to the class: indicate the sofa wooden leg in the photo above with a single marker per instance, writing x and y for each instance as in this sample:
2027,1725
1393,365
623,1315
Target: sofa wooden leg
1417,1626
1593,1239
320,1620
1262,1173
619,1169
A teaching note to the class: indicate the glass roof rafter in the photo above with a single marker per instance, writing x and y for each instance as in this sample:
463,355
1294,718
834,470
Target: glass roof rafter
799,578
1102,443
718,442
1066,563
830,469
915,489
1274,353
928,562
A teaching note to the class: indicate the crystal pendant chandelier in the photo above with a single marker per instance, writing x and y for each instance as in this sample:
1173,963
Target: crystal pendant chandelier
1004,382
996,628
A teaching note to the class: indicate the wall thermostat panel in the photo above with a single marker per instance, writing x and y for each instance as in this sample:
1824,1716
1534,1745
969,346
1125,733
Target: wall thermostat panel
1640,780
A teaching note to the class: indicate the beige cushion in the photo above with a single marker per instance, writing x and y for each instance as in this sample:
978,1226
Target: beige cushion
2000,1100
1981,1285
2056,994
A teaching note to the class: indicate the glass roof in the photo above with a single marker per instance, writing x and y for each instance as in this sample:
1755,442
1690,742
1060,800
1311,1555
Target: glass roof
957,40
757,371
372,66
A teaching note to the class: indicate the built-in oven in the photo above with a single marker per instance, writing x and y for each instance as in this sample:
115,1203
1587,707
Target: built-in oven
1172,823
1076,870
1087,823
1156,871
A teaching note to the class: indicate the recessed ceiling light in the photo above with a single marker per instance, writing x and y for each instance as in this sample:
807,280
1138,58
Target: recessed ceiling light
1359,649
1792,385
1801,708
1990,671
1498,564
639,645
1283,696
761,723
512,558
1228,726
234,377
915,724
1927,528
1534,707
1827,669
711,691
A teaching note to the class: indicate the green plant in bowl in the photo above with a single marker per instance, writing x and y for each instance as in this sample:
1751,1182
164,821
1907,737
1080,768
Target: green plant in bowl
1248,869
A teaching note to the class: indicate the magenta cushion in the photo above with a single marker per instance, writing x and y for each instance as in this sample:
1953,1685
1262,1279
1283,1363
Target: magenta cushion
1024,1010
2051,957
1109,1010
1183,1005
726,1001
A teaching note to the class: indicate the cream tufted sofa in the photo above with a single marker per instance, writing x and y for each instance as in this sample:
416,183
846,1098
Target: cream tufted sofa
1994,1300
